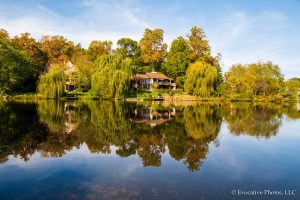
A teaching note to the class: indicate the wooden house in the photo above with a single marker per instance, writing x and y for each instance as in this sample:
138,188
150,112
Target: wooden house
71,74
152,80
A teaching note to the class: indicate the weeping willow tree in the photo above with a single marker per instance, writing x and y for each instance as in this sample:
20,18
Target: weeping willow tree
109,125
201,79
51,113
51,84
202,122
111,76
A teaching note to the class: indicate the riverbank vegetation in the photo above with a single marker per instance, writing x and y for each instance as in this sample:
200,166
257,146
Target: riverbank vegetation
51,84
52,64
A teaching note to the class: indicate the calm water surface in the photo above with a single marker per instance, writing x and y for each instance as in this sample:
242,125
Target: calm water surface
117,150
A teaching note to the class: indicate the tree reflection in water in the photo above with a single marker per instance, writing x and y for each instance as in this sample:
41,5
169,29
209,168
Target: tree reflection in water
259,120
147,129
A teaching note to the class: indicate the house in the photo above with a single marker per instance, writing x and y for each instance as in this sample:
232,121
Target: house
152,80
71,74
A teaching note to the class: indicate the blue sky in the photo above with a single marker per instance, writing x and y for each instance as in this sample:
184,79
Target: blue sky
243,31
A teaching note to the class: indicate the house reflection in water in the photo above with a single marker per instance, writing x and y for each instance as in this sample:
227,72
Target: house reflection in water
71,123
152,115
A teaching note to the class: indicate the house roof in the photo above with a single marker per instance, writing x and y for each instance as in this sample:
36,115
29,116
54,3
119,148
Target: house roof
70,68
158,75
150,75
140,76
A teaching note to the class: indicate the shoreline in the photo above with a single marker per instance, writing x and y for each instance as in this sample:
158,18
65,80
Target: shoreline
165,98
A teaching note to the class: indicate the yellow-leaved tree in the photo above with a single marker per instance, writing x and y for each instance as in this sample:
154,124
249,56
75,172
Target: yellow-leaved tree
201,79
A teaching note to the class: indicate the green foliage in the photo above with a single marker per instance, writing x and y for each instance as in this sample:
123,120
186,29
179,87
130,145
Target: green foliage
51,84
110,77
204,80
177,60
3,34
37,57
33,51
202,121
84,74
199,46
58,49
268,78
51,112
98,48
108,118
153,49
238,82
142,69
253,120
16,67
22,60
293,85
201,79
129,48
219,82
254,79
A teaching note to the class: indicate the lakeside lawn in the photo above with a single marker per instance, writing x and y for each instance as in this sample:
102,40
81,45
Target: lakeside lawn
164,94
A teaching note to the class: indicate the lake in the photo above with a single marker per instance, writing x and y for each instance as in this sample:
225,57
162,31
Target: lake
149,150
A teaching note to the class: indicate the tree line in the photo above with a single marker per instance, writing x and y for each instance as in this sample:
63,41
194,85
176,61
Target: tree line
28,65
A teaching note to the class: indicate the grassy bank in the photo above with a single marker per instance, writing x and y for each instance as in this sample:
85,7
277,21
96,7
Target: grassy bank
166,95
35,96
19,96
179,95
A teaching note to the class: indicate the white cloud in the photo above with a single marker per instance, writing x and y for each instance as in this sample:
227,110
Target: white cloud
98,21
242,38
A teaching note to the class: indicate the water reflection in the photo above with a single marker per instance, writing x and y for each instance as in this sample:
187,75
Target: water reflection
152,114
148,130
260,121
